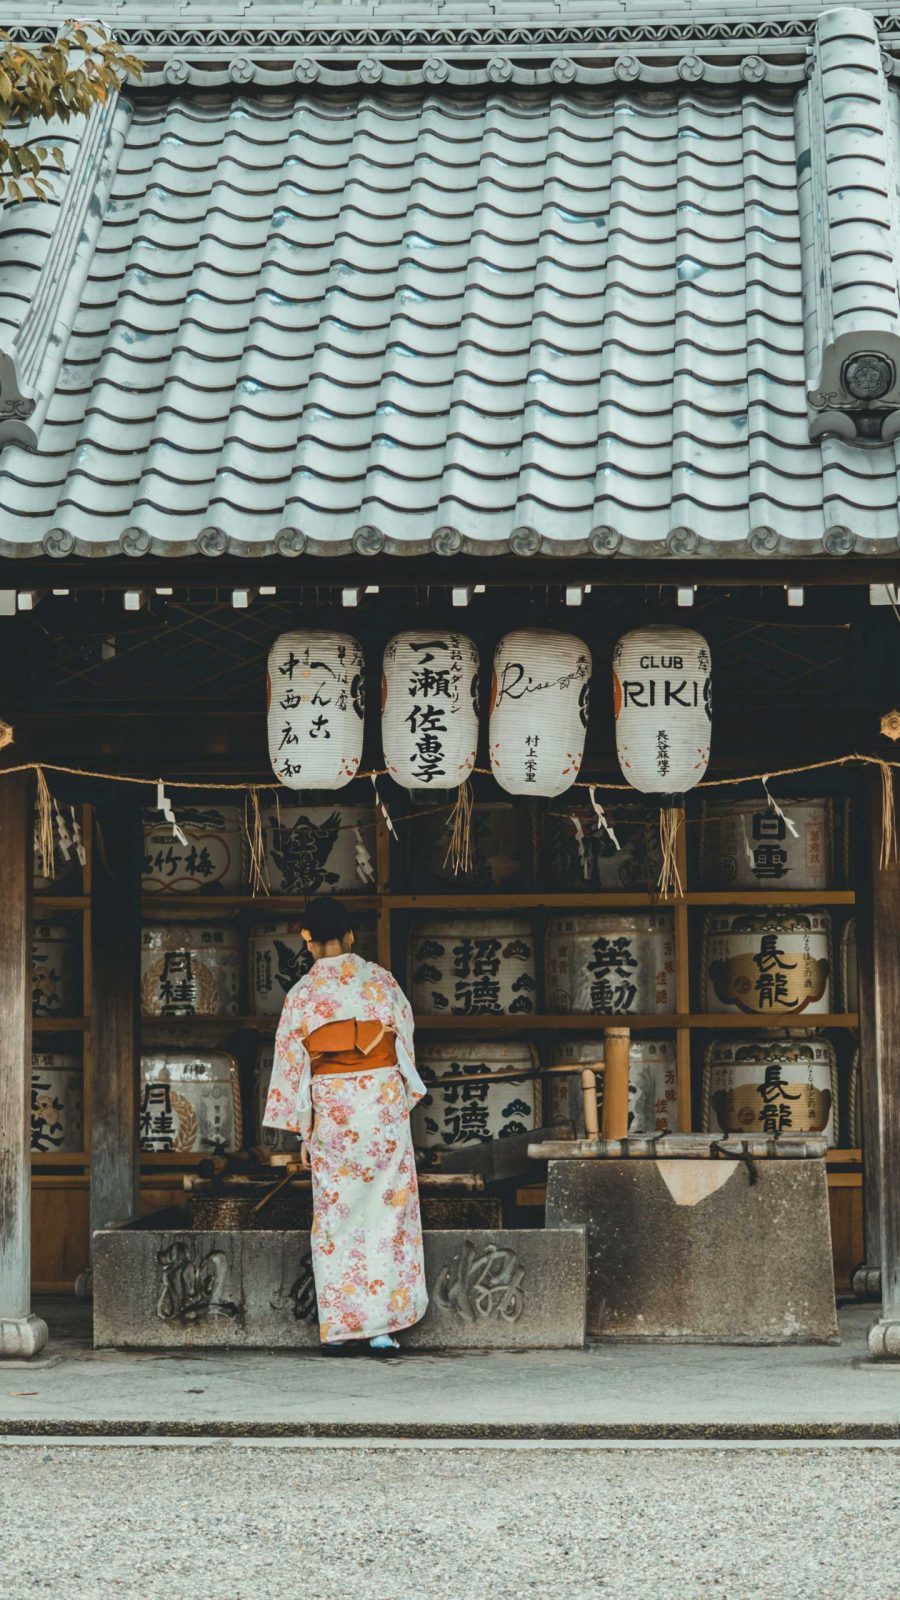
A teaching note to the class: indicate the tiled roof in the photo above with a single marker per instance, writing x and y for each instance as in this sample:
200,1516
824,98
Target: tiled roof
558,321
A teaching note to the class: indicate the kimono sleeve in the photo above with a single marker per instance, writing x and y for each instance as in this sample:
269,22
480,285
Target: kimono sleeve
406,1058
289,1102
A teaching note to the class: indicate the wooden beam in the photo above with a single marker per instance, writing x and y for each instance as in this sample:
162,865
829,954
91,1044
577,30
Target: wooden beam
879,973
115,1013
21,1333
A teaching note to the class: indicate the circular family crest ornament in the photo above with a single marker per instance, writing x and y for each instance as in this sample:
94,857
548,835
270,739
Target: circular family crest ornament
868,376
890,725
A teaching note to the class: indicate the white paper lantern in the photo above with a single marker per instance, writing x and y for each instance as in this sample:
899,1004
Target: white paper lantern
429,709
661,686
539,709
316,701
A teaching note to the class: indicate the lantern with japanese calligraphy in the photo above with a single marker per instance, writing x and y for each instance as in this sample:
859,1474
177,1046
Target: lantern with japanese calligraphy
429,709
652,1084
613,964
540,690
662,703
316,709
190,1101
474,966
766,962
477,1090
771,1083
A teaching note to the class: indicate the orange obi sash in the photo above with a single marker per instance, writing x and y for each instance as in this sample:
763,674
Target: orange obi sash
351,1046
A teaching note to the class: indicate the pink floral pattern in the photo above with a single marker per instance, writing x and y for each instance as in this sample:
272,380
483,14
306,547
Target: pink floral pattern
337,988
367,1228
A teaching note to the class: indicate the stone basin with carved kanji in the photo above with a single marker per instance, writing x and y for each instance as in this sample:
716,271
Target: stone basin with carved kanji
160,1282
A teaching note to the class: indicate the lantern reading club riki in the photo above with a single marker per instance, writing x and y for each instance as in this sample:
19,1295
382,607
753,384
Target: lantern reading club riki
540,691
429,709
661,686
316,689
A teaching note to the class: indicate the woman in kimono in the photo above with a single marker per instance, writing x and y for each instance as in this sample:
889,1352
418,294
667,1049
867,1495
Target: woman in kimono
344,1079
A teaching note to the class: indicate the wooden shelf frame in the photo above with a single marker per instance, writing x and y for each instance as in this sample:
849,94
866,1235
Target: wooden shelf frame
80,902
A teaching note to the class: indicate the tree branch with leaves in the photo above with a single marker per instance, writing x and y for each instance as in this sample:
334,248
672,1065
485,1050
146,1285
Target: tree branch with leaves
54,83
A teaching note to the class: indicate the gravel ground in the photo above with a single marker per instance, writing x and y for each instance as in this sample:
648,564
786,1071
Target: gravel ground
226,1521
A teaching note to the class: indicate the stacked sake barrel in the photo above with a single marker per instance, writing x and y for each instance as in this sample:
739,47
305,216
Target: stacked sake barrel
769,962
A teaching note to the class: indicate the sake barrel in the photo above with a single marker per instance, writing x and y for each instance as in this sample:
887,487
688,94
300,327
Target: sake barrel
652,1084
57,1102
614,963
56,968
744,844
470,966
190,1101
279,958
767,962
854,1103
455,1113
190,969
590,860
66,877
771,1083
849,966
502,849
319,849
210,861
269,1138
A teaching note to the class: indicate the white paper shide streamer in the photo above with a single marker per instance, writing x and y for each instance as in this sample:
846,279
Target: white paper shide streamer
539,709
316,685
661,686
429,709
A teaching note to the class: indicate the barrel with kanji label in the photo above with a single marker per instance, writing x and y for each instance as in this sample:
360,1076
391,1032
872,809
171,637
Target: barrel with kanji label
501,849
457,1112
190,1101
57,1102
614,964
190,969
652,1084
473,966
746,844
56,968
318,849
771,1083
577,853
207,862
767,962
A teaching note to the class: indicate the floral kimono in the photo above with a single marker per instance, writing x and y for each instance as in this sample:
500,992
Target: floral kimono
367,1230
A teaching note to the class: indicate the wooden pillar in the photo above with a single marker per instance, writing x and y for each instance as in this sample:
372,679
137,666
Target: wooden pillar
879,972
866,1280
21,1333
115,1012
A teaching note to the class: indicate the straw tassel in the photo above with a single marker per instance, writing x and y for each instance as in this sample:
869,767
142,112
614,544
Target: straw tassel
459,850
669,824
888,857
44,819
253,831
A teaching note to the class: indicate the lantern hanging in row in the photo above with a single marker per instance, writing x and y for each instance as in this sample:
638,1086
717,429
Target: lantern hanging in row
663,709
540,692
661,687
316,707
429,709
